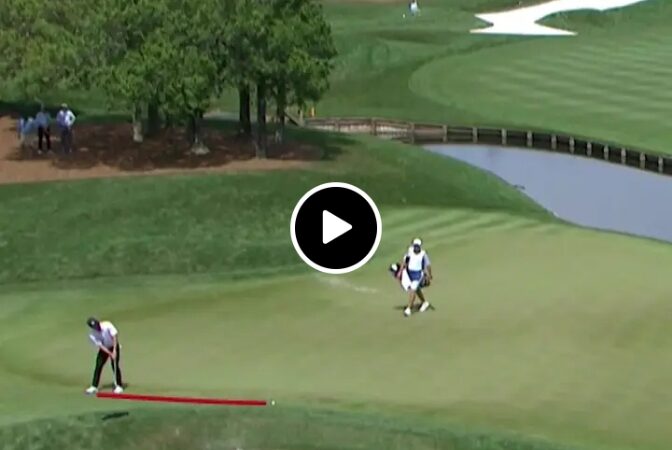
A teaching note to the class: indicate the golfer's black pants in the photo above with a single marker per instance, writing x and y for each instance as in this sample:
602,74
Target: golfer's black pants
101,359
43,135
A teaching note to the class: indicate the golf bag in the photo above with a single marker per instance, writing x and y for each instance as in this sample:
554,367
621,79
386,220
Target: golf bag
405,281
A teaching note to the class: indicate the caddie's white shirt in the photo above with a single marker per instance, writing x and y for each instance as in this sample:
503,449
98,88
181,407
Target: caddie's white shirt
417,261
105,335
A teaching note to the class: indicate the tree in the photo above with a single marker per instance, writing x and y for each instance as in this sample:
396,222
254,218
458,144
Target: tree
302,52
245,32
121,33
40,43
159,56
248,50
192,57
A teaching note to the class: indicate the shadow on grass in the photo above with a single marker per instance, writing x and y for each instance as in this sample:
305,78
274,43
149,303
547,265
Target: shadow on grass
115,415
111,386
416,307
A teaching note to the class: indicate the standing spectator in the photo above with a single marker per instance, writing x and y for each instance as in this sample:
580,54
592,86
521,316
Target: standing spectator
25,128
43,132
66,119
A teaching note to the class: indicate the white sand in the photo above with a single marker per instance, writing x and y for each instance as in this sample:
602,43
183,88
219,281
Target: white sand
522,21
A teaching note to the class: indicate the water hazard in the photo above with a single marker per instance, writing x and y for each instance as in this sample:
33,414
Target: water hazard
583,191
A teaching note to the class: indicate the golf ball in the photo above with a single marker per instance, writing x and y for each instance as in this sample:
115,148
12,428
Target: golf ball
272,402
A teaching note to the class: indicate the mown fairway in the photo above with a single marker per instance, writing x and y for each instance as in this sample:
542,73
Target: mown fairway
611,82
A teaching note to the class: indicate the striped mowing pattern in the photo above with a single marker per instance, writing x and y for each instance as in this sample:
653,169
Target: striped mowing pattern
608,86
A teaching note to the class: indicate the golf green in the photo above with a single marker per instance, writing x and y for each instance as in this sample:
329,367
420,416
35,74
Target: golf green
539,329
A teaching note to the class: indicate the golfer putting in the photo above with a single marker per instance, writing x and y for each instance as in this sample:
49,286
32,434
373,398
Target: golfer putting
105,337
414,273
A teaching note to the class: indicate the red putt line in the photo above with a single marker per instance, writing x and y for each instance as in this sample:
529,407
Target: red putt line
192,400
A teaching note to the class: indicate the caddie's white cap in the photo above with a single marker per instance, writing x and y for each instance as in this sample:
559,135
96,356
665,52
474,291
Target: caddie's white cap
417,242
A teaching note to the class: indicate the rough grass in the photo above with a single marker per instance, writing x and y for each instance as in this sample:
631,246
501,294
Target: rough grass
276,428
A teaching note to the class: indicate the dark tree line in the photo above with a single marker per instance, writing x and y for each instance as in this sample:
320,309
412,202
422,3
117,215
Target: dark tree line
166,61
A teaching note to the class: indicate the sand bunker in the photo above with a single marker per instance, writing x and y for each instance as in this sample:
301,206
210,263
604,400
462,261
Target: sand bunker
523,21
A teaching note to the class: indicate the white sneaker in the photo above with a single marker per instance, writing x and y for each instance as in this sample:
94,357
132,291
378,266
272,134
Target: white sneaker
424,306
92,390
118,389
407,312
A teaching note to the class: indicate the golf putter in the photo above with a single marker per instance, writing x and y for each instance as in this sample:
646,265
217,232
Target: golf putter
114,370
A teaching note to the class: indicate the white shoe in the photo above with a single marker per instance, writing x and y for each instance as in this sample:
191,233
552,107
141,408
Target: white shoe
407,312
118,389
424,306
92,390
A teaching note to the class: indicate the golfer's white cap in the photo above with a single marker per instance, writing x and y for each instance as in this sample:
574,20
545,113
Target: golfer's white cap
417,242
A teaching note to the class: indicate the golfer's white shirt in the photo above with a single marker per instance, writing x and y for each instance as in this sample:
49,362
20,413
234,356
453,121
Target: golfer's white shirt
105,335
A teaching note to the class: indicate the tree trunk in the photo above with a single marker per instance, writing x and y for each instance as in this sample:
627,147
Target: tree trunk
137,124
153,118
198,147
280,114
168,120
262,142
245,122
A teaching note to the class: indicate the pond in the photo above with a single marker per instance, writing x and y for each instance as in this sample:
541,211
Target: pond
580,190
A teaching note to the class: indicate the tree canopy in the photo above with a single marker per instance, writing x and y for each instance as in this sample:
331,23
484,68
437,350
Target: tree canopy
171,58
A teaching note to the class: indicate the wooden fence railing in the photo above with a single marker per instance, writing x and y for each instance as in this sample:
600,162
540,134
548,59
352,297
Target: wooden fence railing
422,133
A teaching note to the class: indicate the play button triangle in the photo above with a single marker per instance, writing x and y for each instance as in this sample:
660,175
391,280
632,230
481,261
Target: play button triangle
333,227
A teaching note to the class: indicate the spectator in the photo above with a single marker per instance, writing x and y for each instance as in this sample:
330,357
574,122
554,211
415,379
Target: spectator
43,132
24,128
66,119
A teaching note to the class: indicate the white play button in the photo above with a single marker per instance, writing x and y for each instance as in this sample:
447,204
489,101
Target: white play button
333,227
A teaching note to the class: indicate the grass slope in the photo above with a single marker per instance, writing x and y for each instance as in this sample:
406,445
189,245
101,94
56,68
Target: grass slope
196,224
